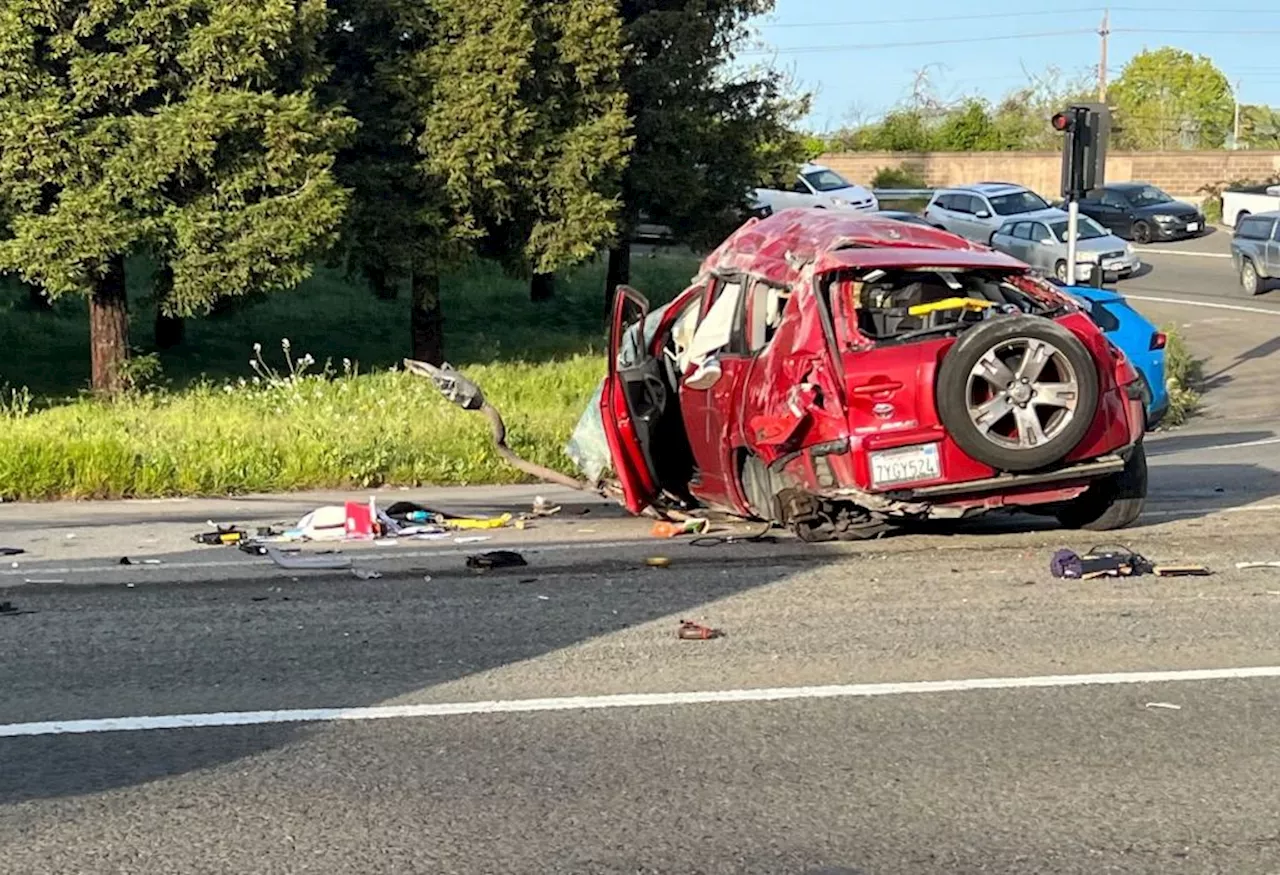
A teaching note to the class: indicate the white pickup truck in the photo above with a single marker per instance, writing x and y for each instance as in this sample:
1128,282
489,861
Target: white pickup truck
1241,202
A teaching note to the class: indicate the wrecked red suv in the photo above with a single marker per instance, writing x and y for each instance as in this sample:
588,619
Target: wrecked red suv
840,375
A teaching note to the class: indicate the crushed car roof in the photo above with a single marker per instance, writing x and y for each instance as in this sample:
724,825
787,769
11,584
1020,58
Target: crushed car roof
792,245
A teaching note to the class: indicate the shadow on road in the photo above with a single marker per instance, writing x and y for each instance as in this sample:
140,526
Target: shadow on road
1261,351
335,642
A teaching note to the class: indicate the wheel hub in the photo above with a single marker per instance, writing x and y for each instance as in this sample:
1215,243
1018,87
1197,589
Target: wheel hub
1020,393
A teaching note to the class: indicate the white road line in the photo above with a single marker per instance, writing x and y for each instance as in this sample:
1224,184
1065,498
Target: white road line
1207,304
632,700
1145,251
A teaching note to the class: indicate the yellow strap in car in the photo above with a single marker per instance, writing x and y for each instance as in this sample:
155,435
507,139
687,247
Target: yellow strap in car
974,304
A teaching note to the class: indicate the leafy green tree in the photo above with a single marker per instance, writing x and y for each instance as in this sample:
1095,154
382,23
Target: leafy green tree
495,127
1171,99
186,129
1260,127
703,137
537,170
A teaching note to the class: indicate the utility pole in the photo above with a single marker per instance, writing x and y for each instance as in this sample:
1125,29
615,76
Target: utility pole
1103,32
1235,136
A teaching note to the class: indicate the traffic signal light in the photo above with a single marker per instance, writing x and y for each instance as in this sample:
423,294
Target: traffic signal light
1084,152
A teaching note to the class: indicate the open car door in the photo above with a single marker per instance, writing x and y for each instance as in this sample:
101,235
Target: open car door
633,400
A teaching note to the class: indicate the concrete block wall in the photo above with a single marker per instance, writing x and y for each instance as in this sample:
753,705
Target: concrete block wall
1179,173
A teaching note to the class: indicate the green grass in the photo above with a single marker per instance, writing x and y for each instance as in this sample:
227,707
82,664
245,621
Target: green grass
213,430
1183,375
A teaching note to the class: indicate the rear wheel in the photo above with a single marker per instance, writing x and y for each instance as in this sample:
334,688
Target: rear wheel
1141,232
1112,503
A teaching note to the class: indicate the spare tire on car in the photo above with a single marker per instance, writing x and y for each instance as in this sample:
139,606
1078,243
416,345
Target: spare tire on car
1017,393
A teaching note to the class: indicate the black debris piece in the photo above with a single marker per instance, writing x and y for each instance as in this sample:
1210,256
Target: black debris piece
11,551
223,536
496,559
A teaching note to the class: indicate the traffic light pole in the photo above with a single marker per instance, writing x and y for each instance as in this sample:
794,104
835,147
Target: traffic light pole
1073,236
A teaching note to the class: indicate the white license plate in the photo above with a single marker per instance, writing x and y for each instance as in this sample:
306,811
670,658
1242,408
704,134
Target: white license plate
905,465
1113,265
1193,226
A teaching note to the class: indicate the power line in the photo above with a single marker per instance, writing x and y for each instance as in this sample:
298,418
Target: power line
974,17
1253,32
913,43
787,25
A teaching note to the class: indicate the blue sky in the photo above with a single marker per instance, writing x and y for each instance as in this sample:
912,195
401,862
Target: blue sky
838,48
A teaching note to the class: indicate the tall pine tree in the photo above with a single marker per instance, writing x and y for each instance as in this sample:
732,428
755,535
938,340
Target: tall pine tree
186,129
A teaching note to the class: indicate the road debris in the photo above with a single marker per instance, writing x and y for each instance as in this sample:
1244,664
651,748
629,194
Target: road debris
658,562
472,539
366,574
1163,706
691,631
690,526
496,559
543,508
39,580
298,562
11,551
1116,561
221,536
9,609
1244,565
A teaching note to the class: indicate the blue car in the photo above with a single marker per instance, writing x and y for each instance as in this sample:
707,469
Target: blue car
1136,337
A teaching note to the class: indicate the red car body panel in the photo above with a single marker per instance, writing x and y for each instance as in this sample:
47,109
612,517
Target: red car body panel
820,396
639,485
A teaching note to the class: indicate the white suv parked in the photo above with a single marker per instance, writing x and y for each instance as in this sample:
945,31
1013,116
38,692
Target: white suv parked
978,211
817,186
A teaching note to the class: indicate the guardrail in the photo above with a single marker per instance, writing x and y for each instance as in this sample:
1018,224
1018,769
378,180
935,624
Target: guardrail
902,194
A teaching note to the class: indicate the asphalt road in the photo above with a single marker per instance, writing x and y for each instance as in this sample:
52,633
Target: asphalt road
437,760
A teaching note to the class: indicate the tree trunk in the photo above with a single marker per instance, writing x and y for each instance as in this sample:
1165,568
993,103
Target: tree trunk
109,329
619,273
37,299
542,287
426,320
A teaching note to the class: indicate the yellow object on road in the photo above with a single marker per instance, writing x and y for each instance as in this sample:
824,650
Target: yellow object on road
474,523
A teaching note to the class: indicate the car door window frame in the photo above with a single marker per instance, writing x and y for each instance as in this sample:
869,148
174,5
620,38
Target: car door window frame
1027,228
978,204
1114,201
800,186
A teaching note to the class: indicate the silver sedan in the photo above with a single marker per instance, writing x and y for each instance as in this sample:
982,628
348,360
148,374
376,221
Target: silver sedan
1043,245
